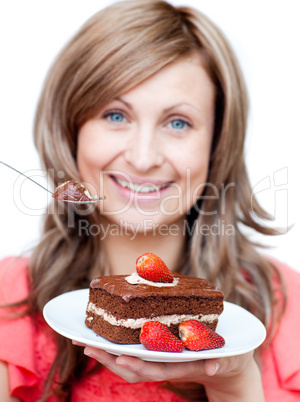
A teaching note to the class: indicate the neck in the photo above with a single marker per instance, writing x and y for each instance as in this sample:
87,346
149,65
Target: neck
122,250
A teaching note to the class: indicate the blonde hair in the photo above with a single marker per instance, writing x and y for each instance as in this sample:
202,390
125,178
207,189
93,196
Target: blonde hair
115,50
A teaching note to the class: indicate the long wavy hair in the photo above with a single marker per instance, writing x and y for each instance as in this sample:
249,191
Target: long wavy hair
117,49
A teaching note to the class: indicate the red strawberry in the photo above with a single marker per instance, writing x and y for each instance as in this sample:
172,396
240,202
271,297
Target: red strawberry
156,336
152,268
197,336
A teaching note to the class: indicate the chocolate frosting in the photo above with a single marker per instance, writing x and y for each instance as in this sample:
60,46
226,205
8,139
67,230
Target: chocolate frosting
187,286
72,191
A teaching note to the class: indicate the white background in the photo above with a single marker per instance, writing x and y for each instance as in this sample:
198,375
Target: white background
265,35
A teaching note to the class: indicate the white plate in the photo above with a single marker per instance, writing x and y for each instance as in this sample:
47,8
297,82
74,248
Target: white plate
242,331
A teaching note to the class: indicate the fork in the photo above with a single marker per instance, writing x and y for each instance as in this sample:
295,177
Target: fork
92,200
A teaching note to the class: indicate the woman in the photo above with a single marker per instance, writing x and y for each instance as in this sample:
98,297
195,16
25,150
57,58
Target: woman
147,104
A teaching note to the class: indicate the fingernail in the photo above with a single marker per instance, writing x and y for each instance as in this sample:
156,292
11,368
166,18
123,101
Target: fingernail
121,362
218,365
89,353
77,343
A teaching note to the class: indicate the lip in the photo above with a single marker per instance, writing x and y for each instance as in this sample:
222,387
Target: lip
149,197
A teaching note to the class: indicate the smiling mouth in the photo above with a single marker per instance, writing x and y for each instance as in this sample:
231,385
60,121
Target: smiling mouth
140,188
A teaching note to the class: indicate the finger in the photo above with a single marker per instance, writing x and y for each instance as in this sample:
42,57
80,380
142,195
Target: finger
211,367
152,371
78,343
227,365
155,371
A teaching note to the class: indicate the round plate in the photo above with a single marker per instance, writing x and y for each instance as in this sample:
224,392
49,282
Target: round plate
241,330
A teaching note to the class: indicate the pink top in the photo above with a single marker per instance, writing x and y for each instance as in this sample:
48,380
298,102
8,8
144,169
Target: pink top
27,346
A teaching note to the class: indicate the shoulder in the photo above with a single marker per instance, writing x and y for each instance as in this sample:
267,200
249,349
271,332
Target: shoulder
285,269
14,279
291,285
291,280
281,360
27,344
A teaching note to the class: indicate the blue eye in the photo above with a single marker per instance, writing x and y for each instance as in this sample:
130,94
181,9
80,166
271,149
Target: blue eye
115,117
179,124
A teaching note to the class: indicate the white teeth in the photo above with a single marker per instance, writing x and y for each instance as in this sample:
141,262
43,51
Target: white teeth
140,188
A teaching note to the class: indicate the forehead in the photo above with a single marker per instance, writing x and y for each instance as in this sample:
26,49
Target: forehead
183,80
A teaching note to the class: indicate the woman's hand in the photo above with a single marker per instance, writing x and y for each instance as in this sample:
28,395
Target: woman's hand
229,379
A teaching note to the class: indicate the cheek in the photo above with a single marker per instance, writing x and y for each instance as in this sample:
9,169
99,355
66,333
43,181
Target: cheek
197,184
195,175
91,151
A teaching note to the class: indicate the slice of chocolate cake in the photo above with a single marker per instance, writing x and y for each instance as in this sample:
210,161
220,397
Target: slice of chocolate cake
71,190
118,309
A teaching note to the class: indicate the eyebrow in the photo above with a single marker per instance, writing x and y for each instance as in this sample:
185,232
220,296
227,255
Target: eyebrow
182,104
122,100
165,110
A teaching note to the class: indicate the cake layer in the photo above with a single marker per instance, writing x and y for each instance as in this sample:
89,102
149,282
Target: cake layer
117,309
120,334
128,331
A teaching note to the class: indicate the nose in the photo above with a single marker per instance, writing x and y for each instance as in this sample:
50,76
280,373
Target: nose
144,151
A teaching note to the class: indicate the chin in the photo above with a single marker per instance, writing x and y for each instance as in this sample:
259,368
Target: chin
136,223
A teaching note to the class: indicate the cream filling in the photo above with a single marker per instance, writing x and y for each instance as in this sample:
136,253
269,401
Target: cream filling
135,279
132,323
